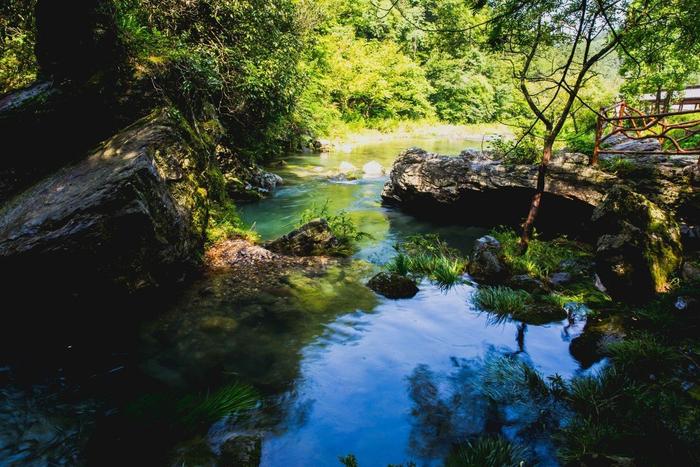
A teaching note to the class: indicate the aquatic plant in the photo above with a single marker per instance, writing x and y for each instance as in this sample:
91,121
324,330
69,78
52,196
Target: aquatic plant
210,407
428,256
225,222
542,258
399,264
487,451
349,461
502,300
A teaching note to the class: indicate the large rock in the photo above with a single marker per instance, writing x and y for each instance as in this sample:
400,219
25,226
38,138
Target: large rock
620,142
312,239
638,245
487,264
488,191
417,174
129,216
393,285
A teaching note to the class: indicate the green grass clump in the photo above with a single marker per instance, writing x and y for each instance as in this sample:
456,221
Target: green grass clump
502,300
541,258
428,256
487,452
225,223
341,225
214,406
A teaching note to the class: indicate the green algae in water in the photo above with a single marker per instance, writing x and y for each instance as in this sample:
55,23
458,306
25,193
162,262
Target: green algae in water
340,289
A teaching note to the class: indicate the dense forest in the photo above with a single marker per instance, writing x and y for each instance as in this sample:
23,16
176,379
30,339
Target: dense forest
350,232
286,72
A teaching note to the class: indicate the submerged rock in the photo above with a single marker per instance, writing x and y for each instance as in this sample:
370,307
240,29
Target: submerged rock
347,168
241,451
392,285
130,216
312,239
487,264
373,169
639,245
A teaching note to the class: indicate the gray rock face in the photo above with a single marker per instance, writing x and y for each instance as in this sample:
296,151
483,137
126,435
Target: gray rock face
559,279
487,264
312,239
638,245
393,285
417,174
266,182
620,142
131,215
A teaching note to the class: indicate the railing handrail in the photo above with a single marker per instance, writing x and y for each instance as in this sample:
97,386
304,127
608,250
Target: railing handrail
649,121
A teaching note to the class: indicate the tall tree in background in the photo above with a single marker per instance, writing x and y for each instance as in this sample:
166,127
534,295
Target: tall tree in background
554,48
664,57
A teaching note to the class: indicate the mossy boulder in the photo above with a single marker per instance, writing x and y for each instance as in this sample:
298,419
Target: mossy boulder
639,245
487,264
314,238
393,285
130,216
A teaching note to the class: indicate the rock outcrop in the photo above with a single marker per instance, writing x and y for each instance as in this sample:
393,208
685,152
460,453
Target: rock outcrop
487,264
487,190
130,216
392,285
417,174
638,245
312,239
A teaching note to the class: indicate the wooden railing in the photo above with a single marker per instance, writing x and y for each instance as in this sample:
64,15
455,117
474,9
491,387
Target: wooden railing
673,134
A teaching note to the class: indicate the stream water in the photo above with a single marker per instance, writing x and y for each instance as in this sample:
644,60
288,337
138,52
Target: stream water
339,370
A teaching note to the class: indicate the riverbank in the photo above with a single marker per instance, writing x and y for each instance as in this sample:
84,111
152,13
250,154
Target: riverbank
345,137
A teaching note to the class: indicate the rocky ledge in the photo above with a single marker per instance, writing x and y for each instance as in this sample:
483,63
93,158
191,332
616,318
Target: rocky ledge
130,216
486,190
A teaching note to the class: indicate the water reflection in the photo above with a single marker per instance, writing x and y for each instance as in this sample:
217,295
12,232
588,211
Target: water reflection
339,369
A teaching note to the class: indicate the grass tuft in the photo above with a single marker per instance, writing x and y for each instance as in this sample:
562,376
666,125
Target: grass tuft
542,258
487,451
502,300
225,223
428,256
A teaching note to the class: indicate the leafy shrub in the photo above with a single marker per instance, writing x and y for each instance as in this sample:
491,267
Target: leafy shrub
583,143
618,165
18,66
225,222
340,223
528,151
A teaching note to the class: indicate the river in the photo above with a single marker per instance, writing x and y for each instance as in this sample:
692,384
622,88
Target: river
338,369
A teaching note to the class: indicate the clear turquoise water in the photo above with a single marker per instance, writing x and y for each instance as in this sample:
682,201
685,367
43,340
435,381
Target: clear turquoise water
399,381
339,369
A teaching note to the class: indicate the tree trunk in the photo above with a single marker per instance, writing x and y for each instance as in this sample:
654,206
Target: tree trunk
539,192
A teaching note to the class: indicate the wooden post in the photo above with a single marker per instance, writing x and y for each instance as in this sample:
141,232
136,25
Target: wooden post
598,135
